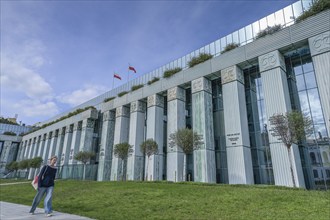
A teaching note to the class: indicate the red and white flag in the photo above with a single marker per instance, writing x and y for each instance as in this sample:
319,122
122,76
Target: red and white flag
117,76
132,68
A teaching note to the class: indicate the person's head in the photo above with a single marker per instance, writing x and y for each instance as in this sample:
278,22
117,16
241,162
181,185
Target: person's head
53,160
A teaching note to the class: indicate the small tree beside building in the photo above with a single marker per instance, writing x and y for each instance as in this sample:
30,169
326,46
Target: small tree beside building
188,141
149,147
84,157
122,150
291,128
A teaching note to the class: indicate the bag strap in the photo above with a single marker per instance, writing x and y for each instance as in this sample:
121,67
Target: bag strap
43,174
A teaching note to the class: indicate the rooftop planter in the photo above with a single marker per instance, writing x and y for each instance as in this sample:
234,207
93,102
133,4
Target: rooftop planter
317,7
171,72
122,93
269,30
109,99
155,79
136,87
229,47
9,133
200,59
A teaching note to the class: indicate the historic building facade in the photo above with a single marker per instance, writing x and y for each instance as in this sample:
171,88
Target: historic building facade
228,100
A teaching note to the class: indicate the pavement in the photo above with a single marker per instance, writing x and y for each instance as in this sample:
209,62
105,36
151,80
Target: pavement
11,211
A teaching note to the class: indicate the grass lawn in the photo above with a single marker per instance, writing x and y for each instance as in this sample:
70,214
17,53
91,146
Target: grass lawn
163,200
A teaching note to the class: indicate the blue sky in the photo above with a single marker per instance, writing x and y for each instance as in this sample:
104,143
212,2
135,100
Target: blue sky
58,54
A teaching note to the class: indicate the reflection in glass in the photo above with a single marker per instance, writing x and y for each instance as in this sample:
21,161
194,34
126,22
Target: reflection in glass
288,14
271,20
300,82
307,4
297,9
279,16
303,101
307,64
310,80
315,105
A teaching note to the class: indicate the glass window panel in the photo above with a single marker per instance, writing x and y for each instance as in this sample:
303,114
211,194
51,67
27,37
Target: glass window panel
288,14
271,20
256,28
223,43
201,50
315,105
261,92
235,37
320,131
242,37
307,64
310,80
279,17
248,32
297,68
183,62
212,48
297,9
207,49
303,101
300,82
307,4
197,52
263,23
229,39
217,47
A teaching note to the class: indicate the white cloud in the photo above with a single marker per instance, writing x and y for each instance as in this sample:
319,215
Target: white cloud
80,96
32,108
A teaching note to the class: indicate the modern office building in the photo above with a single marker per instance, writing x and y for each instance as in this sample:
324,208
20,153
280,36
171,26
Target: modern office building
227,99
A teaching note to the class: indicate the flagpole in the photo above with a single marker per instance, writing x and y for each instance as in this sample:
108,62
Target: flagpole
128,73
113,79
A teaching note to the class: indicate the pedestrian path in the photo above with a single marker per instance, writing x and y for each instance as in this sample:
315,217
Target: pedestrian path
11,211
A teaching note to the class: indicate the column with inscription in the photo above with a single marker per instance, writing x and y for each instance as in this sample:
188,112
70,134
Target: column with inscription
33,155
120,136
277,101
86,141
75,143
155,131
66,151
239,160
106,147
53,142
59,144
176,119
136,137
202,115
46,148
320,51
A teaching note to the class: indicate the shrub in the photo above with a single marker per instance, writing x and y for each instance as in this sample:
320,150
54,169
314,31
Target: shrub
136,87
269,30
6,121
317,7
109,99
122,93
200,59
155,79
171,72
229,47
9,133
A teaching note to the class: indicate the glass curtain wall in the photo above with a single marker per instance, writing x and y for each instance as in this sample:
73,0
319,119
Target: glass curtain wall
257,122
305,98
219,133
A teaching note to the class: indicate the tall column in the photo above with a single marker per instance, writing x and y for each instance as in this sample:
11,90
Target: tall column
202,115
5,152
86,141
176,119
136,137
20,150
32,148
273,77
42,145
34,172
239,160
75,142
33,155
27,149
105,156
46,148
155,131
120,136
66,145
59,144
53,142
320,51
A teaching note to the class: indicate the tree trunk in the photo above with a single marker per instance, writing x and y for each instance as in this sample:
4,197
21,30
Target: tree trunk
291,167
84,172
147,169
185,167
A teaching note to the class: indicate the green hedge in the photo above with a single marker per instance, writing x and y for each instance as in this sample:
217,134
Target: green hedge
122,93
136,87
109,99
9,133
155,79
171,72
317,7
269,30
199,59
229,47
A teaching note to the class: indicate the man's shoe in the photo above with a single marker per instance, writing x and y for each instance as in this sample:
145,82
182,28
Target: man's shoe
49,215
31,213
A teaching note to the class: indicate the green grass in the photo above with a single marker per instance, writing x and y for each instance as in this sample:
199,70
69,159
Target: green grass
163,200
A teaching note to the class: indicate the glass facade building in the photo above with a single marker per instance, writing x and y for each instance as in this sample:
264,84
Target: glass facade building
227,100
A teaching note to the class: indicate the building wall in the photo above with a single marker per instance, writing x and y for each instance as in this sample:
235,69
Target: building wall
237,148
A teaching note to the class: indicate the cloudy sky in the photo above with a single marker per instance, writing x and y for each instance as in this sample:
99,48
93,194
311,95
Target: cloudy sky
58,54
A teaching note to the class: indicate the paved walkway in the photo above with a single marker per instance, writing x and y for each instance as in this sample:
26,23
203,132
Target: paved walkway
11,211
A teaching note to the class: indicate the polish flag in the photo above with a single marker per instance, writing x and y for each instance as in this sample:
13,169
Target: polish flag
132,68
117,76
